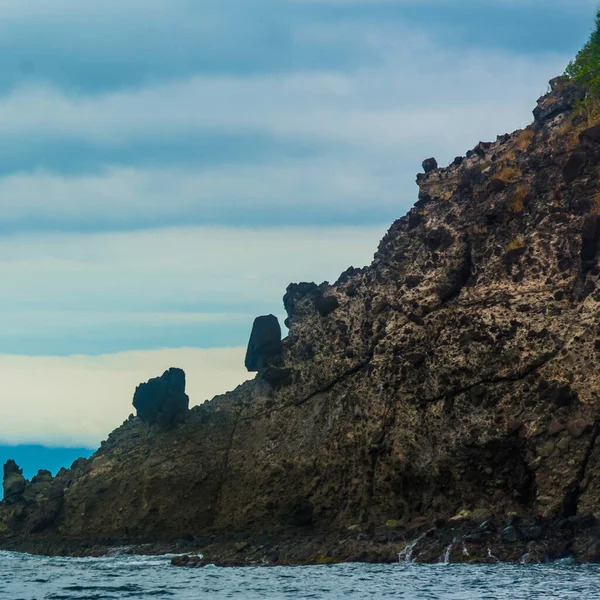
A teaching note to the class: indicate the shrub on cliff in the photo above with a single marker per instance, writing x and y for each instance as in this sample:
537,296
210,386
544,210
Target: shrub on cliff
585,69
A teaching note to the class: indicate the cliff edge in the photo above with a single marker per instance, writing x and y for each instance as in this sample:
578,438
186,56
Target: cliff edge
448,394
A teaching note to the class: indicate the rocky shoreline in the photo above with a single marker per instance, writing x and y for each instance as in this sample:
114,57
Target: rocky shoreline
515,540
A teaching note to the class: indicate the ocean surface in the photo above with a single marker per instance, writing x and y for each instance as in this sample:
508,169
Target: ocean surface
29,577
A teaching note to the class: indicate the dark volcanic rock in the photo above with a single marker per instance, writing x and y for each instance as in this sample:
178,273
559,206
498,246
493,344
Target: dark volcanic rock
162,400
296,292
325,305
13,483
430,164
264,348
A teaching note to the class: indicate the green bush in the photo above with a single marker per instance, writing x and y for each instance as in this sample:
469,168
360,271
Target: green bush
585,69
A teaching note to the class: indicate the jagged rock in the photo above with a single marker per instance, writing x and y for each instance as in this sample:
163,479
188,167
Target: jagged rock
562,98
13,483
39,486
430,164
162,400
296,292
264,348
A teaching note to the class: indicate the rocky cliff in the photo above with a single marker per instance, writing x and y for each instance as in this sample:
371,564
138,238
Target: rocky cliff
449,391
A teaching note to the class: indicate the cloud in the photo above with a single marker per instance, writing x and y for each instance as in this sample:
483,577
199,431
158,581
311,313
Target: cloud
324,107
77,400
333,134
301,148
197,286
299,192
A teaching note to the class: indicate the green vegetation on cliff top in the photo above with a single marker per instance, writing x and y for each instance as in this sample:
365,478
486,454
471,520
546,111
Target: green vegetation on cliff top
585,69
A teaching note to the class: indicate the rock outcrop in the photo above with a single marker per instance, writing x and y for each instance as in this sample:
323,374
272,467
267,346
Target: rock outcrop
13,483
449,389
264,348
162,401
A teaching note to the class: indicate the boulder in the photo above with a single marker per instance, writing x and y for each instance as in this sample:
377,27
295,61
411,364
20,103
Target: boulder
430,164
264,347
296,292
13,483
162,400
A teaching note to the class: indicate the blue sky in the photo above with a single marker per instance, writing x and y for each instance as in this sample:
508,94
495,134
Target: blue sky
168,167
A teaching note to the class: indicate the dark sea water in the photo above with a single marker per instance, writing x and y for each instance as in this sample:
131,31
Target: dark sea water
29,577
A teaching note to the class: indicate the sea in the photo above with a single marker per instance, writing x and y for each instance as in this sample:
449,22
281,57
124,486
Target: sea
25,577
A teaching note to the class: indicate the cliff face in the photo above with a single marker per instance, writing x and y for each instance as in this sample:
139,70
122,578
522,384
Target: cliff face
455,380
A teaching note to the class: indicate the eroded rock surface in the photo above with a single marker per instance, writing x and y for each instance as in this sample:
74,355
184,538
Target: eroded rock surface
450,390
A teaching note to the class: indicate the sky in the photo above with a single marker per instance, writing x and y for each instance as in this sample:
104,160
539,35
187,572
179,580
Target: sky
167,167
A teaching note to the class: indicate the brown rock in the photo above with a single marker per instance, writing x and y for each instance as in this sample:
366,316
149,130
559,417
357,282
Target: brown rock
577,427
555,427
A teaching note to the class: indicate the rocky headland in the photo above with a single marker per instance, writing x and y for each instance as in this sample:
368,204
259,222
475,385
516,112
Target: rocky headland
442,403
